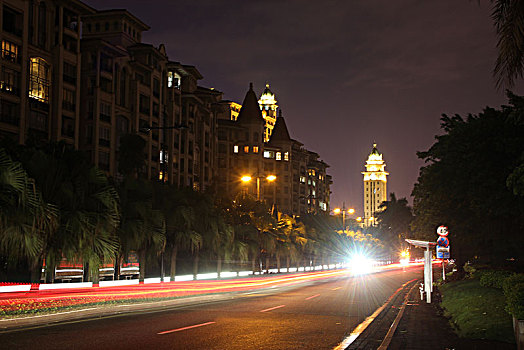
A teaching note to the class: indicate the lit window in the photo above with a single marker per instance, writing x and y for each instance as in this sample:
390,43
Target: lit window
173,79
255,149
279,156
10,51
39,80
235,148
286,156
246,149
267,154
302,179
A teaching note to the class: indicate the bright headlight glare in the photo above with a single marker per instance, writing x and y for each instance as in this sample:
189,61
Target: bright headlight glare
360,265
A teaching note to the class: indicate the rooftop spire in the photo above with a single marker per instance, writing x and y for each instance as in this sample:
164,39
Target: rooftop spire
280,132
250,111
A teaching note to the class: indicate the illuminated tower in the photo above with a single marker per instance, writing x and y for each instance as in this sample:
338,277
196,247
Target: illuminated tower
375,189
268,106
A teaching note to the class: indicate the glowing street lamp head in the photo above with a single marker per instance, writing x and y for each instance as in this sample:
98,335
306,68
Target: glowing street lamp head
359,219
336,210
245,178
271,178
351,211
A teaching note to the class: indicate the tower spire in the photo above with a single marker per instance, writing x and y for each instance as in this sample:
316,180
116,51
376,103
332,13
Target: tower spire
268,106
375,185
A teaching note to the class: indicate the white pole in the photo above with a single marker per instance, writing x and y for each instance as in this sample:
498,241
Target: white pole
427,274
443,270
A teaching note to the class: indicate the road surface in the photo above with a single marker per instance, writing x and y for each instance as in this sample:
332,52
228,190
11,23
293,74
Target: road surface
317,316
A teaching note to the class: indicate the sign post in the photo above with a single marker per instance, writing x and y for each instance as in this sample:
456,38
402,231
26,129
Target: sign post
443,247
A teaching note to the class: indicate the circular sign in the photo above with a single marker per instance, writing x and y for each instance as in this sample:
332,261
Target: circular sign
443,242
442,231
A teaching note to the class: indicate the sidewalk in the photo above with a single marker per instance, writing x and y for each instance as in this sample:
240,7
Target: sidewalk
423,327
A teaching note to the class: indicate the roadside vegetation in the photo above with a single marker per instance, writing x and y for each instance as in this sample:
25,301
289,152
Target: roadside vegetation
482,304
477,312
56,207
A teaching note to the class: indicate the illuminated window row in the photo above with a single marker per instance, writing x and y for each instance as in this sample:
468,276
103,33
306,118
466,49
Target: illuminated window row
276,155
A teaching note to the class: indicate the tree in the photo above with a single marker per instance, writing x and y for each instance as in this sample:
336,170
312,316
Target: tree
87,205
180,217
142,227
26,221
464,184
394,218
508,16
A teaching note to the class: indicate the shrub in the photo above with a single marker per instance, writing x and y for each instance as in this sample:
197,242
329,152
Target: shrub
514,293
493,278
469,269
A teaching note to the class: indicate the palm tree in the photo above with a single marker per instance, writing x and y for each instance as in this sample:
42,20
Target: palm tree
87,204
508,16
142,228
180,217
26,221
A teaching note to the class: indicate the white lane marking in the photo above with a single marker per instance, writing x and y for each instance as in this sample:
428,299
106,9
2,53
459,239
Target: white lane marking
389,336
361,327
313,296
272,308
184,328
336,288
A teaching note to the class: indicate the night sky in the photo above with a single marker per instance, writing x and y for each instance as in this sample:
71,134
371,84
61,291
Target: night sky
345,73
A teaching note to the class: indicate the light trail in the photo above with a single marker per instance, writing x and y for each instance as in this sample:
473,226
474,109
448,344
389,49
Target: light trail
313,296
12,303
184,328
272,308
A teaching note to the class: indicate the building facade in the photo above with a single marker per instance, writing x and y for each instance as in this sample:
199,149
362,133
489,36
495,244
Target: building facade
375,185
301,184
78,75
40,70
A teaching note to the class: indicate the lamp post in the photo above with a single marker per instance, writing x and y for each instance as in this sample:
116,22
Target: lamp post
163,164
269,178
337,211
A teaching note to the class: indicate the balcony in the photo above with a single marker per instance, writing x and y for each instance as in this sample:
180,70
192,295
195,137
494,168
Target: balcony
10,56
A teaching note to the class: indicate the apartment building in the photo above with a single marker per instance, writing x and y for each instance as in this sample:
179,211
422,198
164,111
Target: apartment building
40,70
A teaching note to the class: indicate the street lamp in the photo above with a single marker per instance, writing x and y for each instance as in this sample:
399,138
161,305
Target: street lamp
163,163
337,211
269,178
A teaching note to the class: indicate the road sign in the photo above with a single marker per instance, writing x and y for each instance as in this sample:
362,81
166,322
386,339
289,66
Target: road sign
442,252
443,242
442,231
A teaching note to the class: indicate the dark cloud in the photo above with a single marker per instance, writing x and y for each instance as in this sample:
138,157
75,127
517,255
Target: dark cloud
346,73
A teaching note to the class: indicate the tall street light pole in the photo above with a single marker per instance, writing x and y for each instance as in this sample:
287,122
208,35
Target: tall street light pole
247,178
165,168
350,211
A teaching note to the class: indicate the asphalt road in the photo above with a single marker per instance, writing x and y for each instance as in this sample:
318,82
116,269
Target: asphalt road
317,316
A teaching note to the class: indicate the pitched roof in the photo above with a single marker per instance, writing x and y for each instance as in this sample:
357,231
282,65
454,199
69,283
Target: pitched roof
280,132
250,112
375,150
